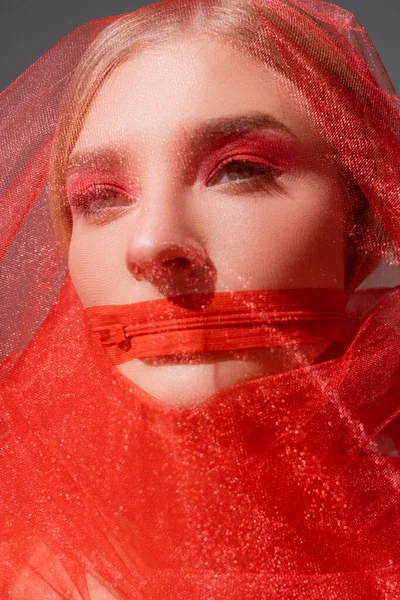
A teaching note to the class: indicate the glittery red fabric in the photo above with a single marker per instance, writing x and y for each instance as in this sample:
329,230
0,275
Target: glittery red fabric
284,486
194,323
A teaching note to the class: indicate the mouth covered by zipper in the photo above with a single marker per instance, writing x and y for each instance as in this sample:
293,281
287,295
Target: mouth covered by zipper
221,321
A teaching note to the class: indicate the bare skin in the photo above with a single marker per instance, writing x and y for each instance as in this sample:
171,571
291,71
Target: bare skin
175,230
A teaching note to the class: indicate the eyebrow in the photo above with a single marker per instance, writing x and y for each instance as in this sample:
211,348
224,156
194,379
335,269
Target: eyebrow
200,137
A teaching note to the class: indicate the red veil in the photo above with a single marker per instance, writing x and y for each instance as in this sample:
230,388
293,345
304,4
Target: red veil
283,486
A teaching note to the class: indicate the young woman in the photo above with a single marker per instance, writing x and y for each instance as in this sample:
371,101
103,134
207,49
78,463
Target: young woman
199,401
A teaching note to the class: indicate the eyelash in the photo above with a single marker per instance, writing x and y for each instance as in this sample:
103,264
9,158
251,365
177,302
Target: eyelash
265,179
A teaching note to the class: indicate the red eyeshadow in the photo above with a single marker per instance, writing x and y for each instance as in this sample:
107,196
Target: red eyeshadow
80,183
276,150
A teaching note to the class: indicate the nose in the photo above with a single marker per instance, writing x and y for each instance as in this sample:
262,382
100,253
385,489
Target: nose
167,251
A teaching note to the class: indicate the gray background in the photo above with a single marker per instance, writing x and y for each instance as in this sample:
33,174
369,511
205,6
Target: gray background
29,28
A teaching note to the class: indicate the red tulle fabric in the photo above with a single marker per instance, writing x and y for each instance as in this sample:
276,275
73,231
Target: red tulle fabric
285,486
196,323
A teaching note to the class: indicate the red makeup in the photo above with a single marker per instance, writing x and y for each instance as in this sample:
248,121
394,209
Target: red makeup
93,181
269,149
273,150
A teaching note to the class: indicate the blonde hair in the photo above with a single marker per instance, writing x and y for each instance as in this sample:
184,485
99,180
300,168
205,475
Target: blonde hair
240,23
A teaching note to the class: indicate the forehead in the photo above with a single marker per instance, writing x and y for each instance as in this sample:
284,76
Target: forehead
176,85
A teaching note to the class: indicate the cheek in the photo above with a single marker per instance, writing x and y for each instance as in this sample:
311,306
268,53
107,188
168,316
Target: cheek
255,242
94,266
291,240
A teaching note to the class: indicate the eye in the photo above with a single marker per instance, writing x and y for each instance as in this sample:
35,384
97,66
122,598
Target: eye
100,199
245,172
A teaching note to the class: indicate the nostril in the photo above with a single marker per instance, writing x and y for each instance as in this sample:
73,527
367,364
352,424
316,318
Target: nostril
176,270
179,262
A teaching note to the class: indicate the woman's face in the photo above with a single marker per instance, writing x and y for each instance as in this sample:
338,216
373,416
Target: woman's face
198,169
